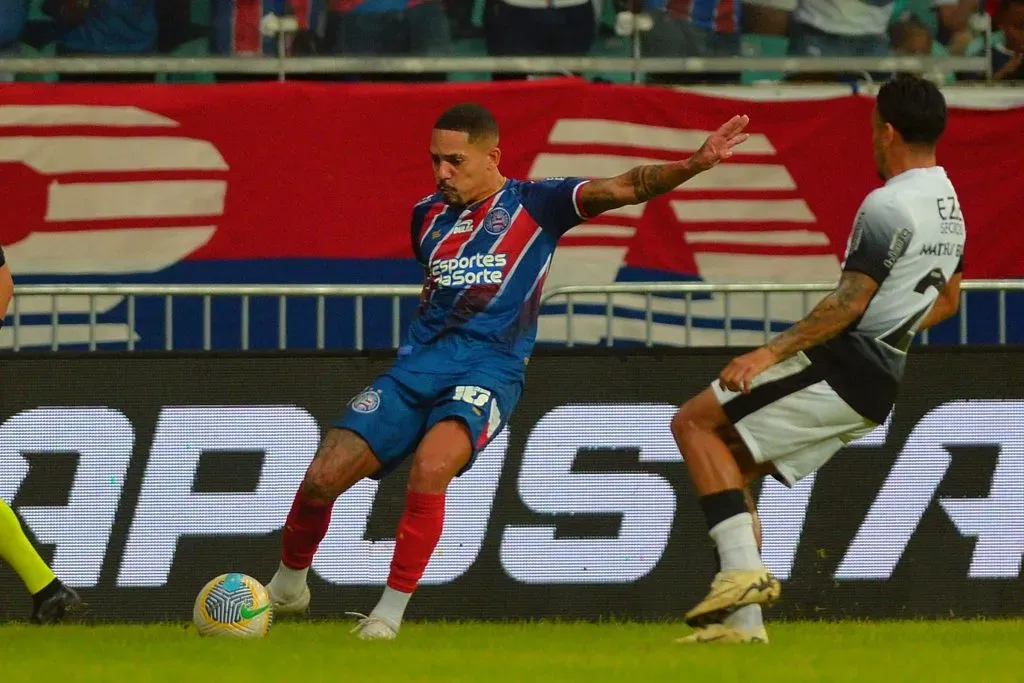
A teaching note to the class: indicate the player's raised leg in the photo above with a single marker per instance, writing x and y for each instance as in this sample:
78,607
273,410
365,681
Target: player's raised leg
720,474
443,453
343,459
51,599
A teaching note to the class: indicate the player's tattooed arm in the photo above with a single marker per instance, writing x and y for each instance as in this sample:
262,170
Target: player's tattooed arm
643,183
636,186
831,316
946,305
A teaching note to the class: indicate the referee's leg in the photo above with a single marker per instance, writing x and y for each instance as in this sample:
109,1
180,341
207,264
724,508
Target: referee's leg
51,599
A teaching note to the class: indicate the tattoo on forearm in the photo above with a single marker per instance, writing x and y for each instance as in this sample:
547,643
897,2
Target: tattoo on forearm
599,197
656,179
638,185
830,317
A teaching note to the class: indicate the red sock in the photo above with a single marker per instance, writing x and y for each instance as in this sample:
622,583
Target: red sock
304,528
418,533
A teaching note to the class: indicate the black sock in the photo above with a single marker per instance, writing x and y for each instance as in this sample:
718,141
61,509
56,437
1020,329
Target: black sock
720,506
46,592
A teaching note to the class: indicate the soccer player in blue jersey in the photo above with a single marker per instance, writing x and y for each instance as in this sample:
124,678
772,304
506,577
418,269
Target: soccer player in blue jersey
485,242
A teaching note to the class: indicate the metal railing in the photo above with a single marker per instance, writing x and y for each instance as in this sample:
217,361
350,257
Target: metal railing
643,298
67,300
91,316
635,66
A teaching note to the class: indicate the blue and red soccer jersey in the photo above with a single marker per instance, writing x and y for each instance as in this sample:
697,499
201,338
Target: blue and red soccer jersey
236,24
465,353
486,264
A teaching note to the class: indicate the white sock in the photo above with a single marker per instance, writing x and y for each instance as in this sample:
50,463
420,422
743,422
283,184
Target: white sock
737,547
392,606
287,583
746,618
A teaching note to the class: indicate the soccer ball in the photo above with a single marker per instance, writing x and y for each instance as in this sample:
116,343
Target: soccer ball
233,605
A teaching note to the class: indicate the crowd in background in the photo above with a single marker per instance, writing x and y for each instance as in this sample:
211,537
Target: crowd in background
667,28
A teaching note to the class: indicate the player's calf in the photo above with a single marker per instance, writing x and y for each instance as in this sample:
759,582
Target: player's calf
444,451
342,459
702,431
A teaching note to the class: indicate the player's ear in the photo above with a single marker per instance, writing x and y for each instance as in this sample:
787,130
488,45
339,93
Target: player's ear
494,155
889,134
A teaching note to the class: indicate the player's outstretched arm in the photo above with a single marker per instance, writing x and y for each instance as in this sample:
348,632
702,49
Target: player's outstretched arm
643,183
832,315
945,306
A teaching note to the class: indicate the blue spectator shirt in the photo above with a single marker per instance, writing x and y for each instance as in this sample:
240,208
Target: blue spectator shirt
114,26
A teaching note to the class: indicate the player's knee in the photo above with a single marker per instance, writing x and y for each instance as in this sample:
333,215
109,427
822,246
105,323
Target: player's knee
686,423
431,473
341,459
439,458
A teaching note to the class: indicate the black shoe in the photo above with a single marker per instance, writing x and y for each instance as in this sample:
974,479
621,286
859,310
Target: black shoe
53,603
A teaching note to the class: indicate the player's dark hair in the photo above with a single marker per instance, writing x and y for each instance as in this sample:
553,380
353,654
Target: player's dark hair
470,118
914,107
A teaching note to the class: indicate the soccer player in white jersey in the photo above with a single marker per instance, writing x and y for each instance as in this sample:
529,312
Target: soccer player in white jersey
785,408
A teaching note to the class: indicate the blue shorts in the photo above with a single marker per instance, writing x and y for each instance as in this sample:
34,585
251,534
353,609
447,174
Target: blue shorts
395,412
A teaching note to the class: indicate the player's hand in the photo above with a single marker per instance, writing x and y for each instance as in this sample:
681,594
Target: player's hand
739,374
719,145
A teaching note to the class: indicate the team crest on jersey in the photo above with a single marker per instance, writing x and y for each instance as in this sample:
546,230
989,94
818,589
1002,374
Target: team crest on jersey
366,402
497,221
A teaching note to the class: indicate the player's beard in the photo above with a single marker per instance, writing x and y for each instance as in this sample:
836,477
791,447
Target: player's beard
451,195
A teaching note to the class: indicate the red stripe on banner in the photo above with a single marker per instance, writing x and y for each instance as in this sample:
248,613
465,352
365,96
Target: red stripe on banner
247,38
761,249
350,160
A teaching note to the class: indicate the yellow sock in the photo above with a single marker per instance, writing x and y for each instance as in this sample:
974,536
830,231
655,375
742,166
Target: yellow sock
18,552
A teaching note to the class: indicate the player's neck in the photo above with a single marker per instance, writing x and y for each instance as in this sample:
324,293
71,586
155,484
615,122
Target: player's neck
488,190
910,161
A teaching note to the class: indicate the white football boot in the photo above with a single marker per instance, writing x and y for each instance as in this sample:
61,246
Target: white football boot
288,605
373,627
724,635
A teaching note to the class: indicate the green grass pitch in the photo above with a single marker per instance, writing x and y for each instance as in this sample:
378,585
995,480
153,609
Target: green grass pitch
866,652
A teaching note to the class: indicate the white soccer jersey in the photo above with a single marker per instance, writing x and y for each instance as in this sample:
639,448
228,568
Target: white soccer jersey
909,237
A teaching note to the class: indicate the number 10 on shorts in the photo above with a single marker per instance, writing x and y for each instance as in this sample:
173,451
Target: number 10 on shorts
474,396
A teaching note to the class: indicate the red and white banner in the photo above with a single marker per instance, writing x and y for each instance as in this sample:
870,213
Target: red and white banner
112,180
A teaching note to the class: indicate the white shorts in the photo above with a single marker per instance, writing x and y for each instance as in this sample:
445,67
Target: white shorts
791,419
